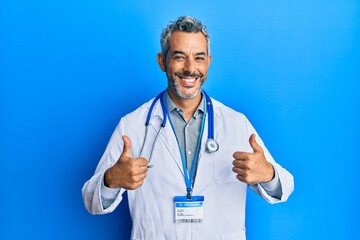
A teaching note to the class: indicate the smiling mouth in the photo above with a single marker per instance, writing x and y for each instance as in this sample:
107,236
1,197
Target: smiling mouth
187,78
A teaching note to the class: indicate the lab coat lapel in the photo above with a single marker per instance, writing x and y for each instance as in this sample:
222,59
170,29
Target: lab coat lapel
167,137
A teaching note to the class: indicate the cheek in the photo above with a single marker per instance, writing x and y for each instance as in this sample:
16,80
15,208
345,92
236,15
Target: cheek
205,73
203,68
173,66
170,76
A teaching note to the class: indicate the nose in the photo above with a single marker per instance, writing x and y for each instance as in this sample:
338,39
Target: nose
189,66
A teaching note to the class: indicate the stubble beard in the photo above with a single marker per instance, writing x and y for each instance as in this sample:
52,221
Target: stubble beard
176,89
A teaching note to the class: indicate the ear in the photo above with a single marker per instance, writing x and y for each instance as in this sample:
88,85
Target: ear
209,60
161,61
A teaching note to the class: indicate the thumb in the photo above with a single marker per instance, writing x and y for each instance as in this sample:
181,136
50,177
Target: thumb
254,145
127,146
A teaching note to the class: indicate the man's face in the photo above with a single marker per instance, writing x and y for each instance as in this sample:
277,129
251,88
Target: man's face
186,64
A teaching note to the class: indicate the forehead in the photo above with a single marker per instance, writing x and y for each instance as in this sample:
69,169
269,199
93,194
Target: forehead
183,41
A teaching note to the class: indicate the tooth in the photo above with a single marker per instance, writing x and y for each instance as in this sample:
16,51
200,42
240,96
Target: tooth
189,80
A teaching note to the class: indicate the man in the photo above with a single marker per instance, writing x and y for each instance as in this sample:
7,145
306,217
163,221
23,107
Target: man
186,178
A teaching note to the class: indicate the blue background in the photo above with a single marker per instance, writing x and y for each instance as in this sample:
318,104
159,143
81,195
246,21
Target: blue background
70,69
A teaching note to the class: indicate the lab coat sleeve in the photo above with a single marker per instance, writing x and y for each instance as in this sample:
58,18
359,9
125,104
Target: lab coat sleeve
285,178
91,190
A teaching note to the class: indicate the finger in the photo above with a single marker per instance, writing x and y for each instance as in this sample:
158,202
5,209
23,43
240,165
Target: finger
245,179
240,178
254,145
241,155
134,185
239,171
140,183
239,164
127,146
140,170
139,178
140,162
242,175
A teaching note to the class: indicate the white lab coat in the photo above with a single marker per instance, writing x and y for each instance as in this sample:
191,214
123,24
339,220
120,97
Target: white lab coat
151,205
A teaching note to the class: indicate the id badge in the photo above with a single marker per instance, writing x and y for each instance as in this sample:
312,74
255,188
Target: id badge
189,210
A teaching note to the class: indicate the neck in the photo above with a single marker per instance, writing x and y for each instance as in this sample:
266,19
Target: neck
189,106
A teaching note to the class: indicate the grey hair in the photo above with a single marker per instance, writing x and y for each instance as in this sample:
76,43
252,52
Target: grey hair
183,24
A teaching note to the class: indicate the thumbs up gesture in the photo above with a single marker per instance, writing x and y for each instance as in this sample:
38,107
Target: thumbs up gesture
127,172
252,168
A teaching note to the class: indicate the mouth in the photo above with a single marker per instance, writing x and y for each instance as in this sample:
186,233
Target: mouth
188,80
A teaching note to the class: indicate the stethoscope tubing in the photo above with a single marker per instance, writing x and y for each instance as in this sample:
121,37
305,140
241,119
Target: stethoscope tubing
160,97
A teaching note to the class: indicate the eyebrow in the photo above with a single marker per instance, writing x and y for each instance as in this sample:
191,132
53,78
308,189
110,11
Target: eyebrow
196,54
200,54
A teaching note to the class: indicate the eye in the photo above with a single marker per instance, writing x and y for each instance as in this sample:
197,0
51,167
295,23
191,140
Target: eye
178,57
200,59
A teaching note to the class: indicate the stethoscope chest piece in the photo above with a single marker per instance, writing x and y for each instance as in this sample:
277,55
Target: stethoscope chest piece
211,145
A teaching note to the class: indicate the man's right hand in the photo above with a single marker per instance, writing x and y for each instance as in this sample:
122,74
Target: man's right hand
128,173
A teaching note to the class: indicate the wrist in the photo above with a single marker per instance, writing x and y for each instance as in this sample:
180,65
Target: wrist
270,173
107,179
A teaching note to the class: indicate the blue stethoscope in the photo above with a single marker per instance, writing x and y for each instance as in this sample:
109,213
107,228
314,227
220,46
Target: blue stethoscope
211,144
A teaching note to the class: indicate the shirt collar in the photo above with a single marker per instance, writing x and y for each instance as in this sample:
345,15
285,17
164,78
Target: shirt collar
172,106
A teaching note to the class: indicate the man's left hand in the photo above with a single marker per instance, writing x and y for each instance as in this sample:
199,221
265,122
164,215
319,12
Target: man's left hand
252,168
